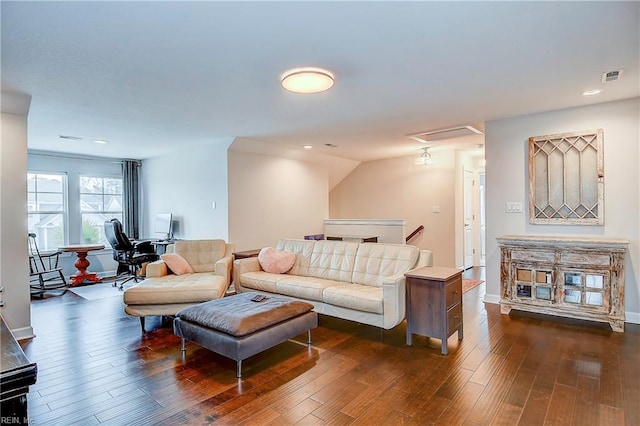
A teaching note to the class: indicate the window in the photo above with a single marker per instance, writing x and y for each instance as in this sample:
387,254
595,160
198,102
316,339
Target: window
100,200
46,208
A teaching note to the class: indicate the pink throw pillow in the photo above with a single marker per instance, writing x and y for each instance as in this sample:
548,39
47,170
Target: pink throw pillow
274,261
177,263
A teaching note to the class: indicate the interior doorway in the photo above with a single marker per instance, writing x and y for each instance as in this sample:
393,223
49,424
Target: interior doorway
469,217
482,214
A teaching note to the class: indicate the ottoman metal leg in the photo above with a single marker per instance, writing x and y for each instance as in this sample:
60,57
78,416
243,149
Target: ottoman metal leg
183,345
308,337
239,369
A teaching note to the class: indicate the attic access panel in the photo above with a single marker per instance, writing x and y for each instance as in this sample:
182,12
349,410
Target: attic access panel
566,179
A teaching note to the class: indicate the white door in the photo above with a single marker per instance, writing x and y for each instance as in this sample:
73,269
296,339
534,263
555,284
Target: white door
483,256
468,219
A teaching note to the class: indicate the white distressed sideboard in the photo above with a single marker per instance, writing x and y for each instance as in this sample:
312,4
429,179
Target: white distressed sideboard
572,277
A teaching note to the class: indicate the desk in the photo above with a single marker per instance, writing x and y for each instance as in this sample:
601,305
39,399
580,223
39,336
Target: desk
81,250
161,246
17,373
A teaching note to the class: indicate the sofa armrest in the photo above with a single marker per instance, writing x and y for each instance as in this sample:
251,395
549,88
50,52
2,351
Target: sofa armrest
242,266
393,300
223,267
425,259
157,269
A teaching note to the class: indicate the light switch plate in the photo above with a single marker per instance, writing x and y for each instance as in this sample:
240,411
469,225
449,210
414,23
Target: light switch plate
435,209
513,207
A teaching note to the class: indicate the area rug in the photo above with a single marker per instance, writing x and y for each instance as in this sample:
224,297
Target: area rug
470,284
96,291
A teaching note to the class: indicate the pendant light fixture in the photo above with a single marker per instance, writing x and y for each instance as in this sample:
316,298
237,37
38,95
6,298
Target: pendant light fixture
425,158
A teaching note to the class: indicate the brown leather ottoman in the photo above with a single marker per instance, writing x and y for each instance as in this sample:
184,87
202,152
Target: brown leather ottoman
238,327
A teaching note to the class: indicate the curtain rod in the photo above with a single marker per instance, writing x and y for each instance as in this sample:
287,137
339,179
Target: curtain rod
85,158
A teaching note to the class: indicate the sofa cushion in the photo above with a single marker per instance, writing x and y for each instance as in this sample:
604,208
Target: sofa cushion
260,280
374,262
309,288
176,263
276,261
302,250
201,254
355,296
333,260
189,288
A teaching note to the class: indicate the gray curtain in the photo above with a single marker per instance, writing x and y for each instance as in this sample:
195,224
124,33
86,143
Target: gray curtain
131,198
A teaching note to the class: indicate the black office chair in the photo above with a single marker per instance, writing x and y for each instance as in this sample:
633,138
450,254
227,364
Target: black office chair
44,272
129,255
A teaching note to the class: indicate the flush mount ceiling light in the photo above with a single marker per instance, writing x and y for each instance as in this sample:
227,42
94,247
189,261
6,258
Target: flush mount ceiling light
424,159
100,141
307,80
591,92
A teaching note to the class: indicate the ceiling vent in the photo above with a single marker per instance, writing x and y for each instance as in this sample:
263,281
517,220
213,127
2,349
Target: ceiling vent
450,133
608,77
70,138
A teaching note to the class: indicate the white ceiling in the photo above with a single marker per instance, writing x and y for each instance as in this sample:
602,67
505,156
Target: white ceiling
151,77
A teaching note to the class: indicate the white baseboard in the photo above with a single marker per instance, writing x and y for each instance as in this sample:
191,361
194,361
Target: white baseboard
23,333
107,274
632,317
491,298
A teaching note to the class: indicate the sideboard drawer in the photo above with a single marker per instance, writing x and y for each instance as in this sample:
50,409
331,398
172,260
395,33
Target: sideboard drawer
585,259
533,255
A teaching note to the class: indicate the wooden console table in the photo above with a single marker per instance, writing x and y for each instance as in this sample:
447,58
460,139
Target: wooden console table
17,373
574,277
355,239
434,303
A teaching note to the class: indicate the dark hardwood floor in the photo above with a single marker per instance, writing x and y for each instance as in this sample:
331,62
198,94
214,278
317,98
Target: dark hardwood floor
96,367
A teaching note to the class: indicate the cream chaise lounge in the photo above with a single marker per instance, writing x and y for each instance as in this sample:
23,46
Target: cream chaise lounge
360,282
165,293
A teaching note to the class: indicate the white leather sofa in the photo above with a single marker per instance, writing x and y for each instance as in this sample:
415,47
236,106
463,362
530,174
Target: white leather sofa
361,282
164,293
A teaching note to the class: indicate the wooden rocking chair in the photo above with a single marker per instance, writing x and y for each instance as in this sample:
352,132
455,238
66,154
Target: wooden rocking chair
44,272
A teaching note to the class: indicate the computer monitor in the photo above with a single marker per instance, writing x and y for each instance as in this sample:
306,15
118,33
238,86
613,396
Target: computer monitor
163,225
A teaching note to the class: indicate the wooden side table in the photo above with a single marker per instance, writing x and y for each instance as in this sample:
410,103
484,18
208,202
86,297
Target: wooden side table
246,254
434,303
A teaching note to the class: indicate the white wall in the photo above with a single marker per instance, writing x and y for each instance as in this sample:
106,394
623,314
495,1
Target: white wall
186,183
507,180
14,265
397,188
273,197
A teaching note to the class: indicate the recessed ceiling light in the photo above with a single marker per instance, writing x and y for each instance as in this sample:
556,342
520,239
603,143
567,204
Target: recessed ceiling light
591,92
307,80
308,146
100,141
